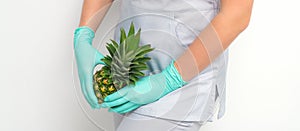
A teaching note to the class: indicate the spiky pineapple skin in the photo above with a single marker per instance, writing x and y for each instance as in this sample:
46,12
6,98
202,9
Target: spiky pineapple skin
103,85
123,65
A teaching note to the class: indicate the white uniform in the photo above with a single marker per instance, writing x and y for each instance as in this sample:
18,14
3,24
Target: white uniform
170,26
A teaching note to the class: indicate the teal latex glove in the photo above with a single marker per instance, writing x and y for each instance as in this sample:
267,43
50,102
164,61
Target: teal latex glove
146,90
87,57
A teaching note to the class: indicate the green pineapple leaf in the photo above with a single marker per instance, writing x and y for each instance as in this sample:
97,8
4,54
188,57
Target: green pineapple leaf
136,73
123,35
141,67
107,60
111,49
116,45
142,59
133,79
131,30
143,52
133,41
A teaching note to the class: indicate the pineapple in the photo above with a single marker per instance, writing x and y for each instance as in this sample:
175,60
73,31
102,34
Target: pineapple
123,65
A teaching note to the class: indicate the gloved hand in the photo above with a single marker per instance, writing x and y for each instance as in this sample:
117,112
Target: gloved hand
87,57
146,90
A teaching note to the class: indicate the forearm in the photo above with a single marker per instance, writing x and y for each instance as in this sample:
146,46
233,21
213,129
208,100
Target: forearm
232,19
93,12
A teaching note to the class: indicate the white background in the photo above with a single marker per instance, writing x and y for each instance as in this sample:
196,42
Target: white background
36,53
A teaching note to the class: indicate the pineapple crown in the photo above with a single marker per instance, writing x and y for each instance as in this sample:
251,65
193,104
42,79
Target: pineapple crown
127,59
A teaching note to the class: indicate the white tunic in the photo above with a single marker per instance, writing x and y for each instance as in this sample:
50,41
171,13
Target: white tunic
170,26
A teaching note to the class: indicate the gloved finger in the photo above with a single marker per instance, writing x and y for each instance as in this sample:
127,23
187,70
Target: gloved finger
117,102
130,109
84,92
123,107
98,57
90,94
117,95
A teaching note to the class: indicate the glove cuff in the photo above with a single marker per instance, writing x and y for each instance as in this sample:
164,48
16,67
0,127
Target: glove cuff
174,79
83,34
